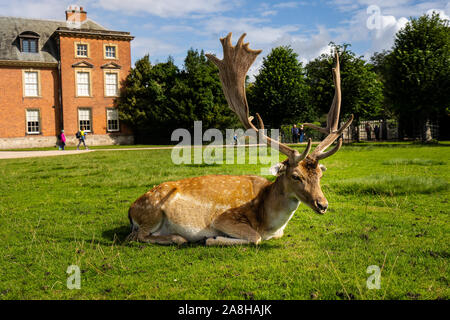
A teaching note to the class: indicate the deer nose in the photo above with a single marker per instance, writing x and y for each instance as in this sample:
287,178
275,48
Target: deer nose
322,206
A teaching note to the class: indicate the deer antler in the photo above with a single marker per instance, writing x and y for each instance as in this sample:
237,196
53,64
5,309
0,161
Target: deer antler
232,71
332,120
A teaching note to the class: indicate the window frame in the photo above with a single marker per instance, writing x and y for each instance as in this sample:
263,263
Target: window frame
39,121
107,120
88,71
38,78
87,49
116,51
27,38
117,73
90,119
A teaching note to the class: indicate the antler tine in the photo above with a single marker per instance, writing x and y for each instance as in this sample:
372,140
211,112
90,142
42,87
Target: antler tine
313,126
302,156
232,71
332,120
324,155
333,114
281,146
293,155
331,138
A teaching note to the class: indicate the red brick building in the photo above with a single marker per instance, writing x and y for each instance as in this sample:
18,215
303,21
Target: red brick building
61,75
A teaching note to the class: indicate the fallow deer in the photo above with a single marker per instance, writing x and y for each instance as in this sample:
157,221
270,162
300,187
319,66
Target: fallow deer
230,210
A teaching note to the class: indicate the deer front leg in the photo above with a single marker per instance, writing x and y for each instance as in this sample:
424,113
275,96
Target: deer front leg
278,234
143,234
225,241
164,240
232,224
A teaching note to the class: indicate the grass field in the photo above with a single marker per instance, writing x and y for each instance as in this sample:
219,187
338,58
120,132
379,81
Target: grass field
388,207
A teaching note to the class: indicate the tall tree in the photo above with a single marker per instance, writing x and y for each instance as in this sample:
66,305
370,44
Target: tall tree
204,94
362,91
155,100
417,73
279,91
141,101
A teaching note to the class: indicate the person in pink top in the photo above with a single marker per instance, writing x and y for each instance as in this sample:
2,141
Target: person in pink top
62,137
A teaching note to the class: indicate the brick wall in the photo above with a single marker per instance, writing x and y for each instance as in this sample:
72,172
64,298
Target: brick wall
13,104
98,103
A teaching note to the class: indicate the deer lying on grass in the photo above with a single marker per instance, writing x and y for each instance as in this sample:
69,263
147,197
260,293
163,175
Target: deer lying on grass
230,210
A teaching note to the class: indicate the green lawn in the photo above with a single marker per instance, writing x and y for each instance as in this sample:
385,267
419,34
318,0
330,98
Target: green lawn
388,207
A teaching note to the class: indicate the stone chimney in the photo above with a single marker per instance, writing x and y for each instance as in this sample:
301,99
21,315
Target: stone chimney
75,14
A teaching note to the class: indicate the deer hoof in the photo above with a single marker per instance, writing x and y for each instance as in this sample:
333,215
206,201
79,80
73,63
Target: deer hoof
211,241
257,241
179,240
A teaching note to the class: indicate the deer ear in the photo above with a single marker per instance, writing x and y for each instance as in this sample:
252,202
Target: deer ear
323,168
278,169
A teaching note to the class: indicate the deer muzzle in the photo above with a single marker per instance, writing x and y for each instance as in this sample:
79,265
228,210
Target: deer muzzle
321,206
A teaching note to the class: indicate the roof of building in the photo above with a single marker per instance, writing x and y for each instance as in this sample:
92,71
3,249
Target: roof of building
12,27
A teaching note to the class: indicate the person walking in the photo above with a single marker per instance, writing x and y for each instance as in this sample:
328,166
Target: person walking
62,139
376,130
295,133
235,139
302,133
81,135
368,131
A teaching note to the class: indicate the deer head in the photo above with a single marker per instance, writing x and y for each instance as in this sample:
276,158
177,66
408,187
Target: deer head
299,174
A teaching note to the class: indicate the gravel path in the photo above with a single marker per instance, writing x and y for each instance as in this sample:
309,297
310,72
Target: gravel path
30,154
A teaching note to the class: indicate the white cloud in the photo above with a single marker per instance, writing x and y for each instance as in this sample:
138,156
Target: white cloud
344,5
442,13
392,17
176,28
154,47
290,4
383,38
166,8
46,9
411,8
269,13
260,34
254,69
263,37
308,47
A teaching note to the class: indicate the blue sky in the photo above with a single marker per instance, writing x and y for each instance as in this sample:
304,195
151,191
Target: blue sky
170,27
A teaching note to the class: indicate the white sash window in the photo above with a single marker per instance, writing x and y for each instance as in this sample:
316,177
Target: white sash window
31,84
112,116
83,84
84,119
33,126
111,84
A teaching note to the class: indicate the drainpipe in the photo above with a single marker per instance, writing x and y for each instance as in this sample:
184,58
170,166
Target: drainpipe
60,95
